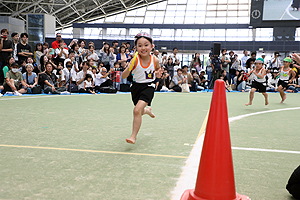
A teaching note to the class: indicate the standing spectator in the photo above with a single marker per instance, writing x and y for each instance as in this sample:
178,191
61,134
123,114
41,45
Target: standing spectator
116,75
225,60
5,50
175,58
244,60
217,68
61,52
55,44
38,53
92,55
170,67
23,49
50,80
196,63
240,82
122,59
156,54
115,46
81,76
209,68
275,62
250,62
13,81
82,51
106,55
15,41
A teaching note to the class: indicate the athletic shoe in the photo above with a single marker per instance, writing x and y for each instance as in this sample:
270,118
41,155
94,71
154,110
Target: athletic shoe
1,94
17,93
65,93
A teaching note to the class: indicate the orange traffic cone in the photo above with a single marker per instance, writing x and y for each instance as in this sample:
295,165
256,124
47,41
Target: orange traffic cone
215,180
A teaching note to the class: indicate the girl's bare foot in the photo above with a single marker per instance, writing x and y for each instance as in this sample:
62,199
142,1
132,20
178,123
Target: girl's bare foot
284,98
248,104
266,102
130,141
149,112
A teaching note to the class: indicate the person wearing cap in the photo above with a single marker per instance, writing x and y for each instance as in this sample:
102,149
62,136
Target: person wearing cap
275,62
259,82
273,81
30,77
13,81
287,75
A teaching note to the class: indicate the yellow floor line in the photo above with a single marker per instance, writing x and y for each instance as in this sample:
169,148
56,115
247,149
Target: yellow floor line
202,129
91,151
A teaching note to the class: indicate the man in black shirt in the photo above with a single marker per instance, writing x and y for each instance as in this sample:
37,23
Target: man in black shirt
49,81
5,47
23,49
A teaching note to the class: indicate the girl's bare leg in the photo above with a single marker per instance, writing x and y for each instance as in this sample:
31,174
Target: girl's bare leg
138,111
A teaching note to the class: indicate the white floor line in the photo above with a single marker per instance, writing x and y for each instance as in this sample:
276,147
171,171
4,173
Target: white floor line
188,176
265,150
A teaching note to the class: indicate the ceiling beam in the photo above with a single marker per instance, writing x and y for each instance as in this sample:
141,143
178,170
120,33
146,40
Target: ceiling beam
26,8
66,5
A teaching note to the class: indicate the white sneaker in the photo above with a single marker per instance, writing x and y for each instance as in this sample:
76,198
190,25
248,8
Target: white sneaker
1,94
8,93
65,93
17,93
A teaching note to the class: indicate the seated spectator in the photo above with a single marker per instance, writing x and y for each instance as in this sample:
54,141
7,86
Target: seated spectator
177,81
164,58
81,76
45,47
102,79
116,75
293,184
69,77
88,84
72,58
13,81
106,55
272,83
31,61
163,82
294,87
187,75
241,83
50,80
29,76
61,52
60,75
92,55
225,78
7,67
199,80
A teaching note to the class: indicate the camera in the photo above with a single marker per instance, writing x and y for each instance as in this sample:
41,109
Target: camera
3,36
117,69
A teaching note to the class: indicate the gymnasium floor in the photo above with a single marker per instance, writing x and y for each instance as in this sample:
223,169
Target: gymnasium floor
73,146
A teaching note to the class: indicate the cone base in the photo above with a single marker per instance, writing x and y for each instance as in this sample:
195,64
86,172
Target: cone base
189,195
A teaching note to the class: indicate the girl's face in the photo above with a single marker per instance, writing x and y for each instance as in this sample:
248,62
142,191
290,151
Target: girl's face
76,48
106,46
144,47
122,50
91,62
60,66
286,64
39,47
11,60
225,73
29,60
127,51
89,79
45,59
197,55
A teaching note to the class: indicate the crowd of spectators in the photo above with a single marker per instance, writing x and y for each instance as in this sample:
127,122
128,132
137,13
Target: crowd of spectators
59,68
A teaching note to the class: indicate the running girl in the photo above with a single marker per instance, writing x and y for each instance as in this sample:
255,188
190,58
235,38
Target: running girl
146,69
259,82
284,78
